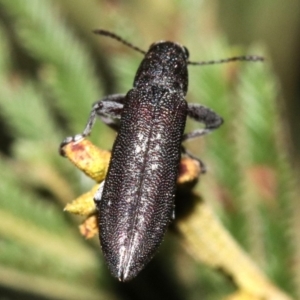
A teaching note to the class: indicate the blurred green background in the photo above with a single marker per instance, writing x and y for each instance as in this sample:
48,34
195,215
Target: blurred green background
52,68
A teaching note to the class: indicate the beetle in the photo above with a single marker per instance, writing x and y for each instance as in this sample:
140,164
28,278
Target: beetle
135,203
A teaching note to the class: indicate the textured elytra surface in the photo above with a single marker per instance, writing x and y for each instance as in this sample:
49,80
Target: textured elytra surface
138,195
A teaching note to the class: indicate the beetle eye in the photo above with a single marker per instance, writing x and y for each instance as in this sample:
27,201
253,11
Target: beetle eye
186,52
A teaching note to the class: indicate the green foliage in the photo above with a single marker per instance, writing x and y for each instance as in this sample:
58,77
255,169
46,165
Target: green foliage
250,181
68,67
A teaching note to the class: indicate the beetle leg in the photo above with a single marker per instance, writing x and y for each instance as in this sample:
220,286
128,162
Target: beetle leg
98,195
190,155
109,109
204,115
211,121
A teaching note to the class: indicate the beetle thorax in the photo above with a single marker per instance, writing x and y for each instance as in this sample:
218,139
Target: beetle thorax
165,64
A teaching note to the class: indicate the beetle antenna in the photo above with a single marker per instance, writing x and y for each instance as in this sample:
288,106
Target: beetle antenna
118,38
253,58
